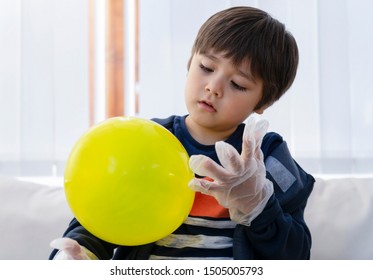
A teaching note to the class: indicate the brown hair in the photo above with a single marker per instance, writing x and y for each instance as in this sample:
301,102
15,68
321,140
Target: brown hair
252,35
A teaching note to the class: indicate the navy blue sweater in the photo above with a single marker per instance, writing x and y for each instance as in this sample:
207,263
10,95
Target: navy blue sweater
279,232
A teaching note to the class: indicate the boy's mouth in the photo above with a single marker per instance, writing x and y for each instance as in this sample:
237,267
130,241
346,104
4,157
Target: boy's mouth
206,106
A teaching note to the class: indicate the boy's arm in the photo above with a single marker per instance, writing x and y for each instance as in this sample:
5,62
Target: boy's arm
273,235
99,248
280,231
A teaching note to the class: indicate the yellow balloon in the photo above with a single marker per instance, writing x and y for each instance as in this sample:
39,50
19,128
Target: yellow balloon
126,181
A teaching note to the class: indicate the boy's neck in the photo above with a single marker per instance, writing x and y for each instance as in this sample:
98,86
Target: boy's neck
205,135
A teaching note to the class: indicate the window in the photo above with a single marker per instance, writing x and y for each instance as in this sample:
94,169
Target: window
65,66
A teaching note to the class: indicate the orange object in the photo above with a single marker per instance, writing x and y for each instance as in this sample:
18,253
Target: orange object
208,179
207,206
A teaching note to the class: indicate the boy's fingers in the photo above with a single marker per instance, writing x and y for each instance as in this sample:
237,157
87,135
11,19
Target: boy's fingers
204,166
229,157
248,139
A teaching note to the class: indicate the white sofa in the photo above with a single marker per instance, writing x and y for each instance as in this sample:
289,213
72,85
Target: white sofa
339,214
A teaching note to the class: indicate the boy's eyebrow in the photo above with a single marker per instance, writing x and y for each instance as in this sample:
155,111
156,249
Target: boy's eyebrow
212,57
246,75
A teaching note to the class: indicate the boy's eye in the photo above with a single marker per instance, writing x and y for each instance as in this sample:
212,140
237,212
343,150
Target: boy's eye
205,69
236,86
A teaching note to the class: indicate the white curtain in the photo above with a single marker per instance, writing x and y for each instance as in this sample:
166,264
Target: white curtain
43,84
326,117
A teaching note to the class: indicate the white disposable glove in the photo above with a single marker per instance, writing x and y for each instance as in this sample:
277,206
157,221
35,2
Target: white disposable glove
69,249
240,184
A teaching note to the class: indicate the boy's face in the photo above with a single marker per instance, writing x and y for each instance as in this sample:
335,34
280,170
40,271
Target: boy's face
218,95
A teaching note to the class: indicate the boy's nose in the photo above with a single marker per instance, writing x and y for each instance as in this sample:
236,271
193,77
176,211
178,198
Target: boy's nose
215,88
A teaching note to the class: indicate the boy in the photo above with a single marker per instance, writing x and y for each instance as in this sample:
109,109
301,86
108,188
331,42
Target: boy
251,194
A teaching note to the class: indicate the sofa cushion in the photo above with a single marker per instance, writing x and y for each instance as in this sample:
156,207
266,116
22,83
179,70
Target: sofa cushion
31,216
340,216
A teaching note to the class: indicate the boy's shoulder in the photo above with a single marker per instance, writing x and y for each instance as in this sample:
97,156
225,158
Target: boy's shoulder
271,140
291,183
166,122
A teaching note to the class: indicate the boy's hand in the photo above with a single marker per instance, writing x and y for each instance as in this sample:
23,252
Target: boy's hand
69,249
240,184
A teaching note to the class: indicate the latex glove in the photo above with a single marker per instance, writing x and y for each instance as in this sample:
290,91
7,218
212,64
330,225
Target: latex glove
240,184
70,249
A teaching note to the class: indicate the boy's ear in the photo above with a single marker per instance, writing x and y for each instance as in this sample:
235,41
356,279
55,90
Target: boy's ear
261,109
